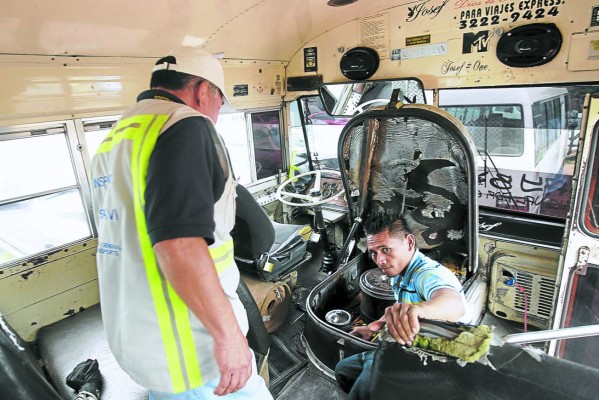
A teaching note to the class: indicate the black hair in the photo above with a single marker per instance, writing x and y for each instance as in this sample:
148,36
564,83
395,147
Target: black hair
377,222
170,79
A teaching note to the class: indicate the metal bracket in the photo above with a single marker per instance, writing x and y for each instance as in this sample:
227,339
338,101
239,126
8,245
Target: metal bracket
341,343
395,100
583,259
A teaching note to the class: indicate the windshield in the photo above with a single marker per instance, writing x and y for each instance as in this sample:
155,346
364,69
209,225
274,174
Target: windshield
351,98
322,134
526,139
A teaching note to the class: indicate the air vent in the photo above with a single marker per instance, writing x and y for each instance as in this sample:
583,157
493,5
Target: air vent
542,290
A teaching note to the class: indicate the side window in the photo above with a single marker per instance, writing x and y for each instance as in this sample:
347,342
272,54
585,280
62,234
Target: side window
42,205
232,127
95,131
526,139
254,143
266,133
91,133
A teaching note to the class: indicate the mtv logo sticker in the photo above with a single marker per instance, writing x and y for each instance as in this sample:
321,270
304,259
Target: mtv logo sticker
476,42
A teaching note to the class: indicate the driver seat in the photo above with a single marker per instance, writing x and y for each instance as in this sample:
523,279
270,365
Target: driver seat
263,247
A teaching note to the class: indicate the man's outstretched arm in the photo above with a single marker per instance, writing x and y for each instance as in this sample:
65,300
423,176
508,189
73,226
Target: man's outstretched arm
402,318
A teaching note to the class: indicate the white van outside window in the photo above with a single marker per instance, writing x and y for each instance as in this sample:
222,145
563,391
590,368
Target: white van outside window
524,139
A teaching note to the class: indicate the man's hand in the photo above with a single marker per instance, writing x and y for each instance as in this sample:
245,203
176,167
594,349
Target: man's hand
402,318
368,331
402,321
234,361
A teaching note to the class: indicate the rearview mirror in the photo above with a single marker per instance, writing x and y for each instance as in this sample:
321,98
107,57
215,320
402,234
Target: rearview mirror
352,98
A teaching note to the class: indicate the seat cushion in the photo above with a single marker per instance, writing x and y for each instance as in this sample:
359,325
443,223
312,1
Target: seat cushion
284,235
253,233
65,344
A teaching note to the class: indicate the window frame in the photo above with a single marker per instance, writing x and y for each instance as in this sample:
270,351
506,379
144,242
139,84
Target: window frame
81,128
249,139
591,190
75,145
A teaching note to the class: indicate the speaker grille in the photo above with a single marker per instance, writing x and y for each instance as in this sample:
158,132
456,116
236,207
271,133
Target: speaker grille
529,45
359,63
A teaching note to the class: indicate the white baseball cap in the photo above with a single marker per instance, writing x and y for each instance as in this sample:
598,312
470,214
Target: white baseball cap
200,63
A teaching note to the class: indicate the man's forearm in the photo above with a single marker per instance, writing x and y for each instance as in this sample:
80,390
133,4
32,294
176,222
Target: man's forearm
445,304
187,265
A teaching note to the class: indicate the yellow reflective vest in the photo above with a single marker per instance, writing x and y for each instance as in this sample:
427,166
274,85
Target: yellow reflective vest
154,337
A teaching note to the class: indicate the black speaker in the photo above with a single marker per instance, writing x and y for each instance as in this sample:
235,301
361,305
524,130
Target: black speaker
359,63
529,45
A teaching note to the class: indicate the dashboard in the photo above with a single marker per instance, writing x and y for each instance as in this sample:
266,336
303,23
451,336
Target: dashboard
265,193
330,186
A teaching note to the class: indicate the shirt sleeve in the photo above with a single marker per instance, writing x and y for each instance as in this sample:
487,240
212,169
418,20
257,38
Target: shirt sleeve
435,278
184,181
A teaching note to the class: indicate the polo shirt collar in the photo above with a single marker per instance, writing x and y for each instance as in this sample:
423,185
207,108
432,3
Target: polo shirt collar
157,94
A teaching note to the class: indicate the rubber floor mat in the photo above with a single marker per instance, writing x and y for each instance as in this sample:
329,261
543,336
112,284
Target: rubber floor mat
283,363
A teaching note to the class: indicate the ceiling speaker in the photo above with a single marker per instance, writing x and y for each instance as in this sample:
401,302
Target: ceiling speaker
359,63
529,45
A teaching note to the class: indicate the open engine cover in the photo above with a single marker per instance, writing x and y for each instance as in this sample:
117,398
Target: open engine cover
419,160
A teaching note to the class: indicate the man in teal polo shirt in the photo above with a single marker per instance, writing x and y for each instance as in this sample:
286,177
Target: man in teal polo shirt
423,288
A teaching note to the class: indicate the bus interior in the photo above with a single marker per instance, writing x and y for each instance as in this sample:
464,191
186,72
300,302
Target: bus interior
479,120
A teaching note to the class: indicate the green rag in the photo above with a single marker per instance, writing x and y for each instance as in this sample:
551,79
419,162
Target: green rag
470,345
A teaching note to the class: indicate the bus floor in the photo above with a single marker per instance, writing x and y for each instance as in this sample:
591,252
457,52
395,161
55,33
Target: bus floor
292,375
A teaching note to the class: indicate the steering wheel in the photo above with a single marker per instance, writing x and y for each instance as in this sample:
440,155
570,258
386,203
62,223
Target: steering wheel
361,107
308,200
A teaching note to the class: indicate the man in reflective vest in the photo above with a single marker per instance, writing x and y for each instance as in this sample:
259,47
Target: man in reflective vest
166,270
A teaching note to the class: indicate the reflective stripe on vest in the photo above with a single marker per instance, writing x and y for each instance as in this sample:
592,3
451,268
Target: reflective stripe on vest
223,256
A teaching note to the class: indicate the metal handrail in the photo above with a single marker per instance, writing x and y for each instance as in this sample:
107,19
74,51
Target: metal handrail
552,334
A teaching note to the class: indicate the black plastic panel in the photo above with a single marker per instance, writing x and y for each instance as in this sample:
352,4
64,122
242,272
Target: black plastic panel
521,229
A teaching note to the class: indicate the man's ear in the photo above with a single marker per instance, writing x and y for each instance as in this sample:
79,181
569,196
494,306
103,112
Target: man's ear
203,91
193,93
411,241
202,94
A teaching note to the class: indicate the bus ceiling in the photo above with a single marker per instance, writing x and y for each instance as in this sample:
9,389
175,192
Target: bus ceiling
79,57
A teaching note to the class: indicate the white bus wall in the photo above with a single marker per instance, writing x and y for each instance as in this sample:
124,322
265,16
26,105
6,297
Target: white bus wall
50,88
46,289
442,62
